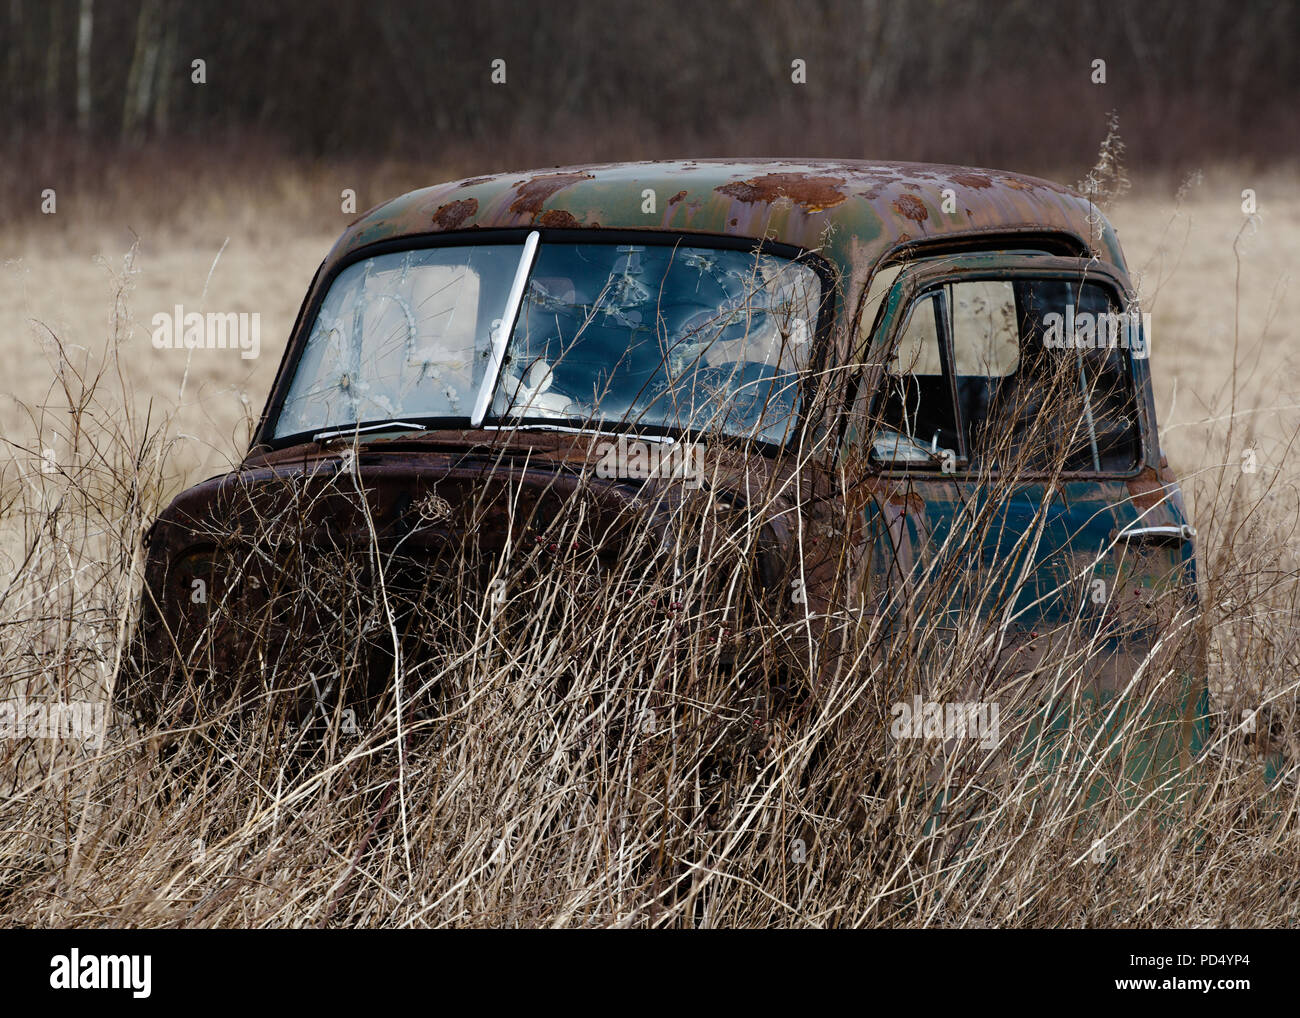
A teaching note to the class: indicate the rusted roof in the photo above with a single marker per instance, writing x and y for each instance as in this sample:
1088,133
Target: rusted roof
853,212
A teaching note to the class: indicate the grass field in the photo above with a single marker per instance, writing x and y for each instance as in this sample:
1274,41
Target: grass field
476,838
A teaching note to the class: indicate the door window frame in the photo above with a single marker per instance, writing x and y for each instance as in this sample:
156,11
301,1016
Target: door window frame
915,282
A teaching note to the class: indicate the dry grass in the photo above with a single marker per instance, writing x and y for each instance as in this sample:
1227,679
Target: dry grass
570,755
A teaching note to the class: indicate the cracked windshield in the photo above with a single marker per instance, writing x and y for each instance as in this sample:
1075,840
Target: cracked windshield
646,335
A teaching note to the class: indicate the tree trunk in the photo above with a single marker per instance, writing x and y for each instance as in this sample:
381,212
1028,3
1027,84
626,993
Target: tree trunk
166,69
54,65
139,79
85,27
13,70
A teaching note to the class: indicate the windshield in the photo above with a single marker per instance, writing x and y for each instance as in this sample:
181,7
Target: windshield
643,335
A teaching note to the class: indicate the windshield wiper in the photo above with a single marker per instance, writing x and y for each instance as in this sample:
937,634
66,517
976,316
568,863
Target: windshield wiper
497,351
571,430
324,436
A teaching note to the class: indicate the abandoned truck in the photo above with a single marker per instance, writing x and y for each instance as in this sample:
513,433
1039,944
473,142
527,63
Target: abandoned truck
890,357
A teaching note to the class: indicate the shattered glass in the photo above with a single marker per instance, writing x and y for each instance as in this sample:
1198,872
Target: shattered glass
664,336
644,334
401,335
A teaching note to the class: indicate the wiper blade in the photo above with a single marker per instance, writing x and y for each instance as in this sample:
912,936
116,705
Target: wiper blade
497,351
324,436
571,430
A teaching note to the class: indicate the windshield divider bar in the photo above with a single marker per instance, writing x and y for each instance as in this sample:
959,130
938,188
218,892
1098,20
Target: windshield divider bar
496,352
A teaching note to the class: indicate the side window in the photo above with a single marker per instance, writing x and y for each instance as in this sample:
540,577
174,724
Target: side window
1017,371
917,406
986,347
1082,341
984,327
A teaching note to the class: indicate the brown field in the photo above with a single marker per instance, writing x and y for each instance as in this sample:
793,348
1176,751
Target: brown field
84,841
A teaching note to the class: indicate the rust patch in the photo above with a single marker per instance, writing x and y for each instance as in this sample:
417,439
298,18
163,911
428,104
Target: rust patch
451,215
533,193
972,180
558,219
734,222
677,197
1018,185
811,193
910,207
909,500
1146,489
474,180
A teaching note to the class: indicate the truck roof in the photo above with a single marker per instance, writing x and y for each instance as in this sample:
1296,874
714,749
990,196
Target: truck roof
853,212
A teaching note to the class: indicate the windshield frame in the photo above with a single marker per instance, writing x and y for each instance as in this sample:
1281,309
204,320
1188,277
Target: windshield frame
264,437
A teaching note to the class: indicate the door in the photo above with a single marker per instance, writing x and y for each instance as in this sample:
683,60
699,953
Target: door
1014,487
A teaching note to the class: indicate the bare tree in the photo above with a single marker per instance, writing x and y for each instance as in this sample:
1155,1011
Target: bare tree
85,28
53,63
139,79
